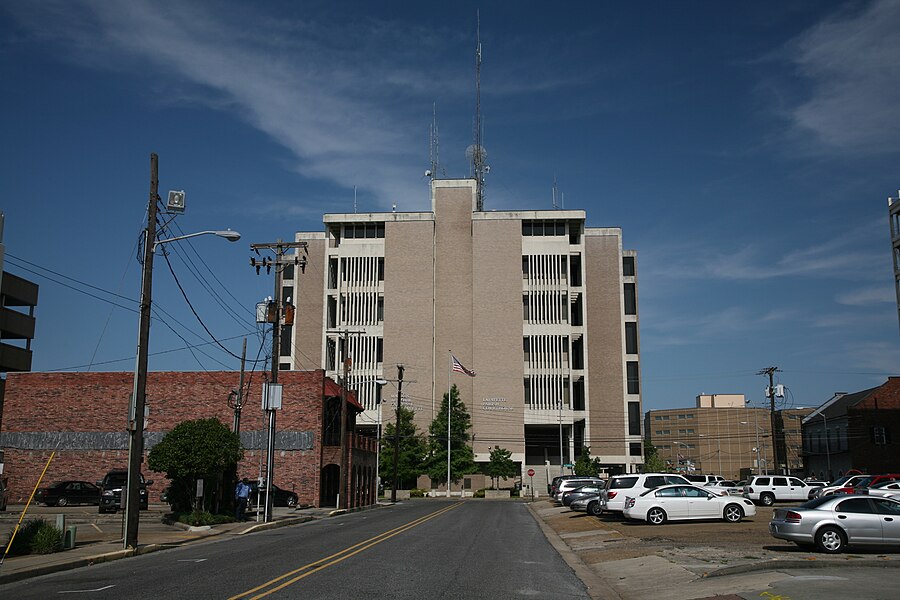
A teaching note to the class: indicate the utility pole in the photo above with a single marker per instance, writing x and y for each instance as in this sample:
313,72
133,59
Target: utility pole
345,379
770,392
139,395
400,370
236,399
275,316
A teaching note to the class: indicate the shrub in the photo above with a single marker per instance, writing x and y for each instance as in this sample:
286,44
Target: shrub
36,536
199,518
479,493
47,540
416,493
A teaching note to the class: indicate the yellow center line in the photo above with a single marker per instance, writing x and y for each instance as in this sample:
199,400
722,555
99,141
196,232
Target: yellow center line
339,556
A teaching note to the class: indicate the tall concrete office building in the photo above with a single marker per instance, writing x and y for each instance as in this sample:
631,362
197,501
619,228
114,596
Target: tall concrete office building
541,307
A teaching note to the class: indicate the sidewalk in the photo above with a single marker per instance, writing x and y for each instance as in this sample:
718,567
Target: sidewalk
151,537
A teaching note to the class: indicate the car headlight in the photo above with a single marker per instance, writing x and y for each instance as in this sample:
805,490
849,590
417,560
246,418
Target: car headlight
108,494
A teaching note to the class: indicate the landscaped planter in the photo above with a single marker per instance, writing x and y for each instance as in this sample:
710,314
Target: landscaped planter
496,493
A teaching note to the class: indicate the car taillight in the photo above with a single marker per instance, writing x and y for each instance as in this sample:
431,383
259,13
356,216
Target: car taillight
792,517
610,495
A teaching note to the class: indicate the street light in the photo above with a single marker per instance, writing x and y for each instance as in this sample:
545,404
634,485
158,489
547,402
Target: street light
827,445
139,396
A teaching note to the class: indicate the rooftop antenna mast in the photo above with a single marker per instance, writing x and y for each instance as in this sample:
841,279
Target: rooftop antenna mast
434,145
476,152
555,190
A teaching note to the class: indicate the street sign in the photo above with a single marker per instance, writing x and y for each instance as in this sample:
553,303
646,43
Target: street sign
531,472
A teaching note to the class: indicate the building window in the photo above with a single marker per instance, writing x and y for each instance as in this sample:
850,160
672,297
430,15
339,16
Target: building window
685,431
634,379
634,449
663,432
380,309
578,394
380,268
634,418
543,228
332,273
575,270
631,338
628,266
630,299
880,436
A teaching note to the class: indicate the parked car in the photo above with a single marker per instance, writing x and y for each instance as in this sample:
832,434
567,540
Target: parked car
612,498
836,484
861,486
703,479
769,489
553,486
63,493
4,495
111,490
585,491
832,523
886,489
280,497
726,488
570,484
680,502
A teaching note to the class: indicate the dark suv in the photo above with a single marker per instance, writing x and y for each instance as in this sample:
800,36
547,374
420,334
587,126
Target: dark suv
111,490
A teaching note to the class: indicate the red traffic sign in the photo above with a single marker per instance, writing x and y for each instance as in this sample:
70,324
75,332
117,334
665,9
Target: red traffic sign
531,472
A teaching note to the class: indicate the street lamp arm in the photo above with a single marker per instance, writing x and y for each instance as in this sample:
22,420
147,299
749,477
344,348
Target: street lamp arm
231,236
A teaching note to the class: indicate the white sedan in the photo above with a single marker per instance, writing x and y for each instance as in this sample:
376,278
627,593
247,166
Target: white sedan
677,502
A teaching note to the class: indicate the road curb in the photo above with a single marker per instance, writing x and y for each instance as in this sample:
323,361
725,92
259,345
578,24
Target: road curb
597,587
810,563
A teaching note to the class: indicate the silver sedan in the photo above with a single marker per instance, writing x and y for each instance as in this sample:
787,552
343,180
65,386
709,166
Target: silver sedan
832,523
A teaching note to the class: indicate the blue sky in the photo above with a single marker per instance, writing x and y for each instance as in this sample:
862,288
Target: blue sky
745,149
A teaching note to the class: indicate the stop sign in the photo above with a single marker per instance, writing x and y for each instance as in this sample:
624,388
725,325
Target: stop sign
531,472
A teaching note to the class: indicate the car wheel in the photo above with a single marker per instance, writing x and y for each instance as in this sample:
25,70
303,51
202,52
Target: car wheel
292,501
733,513
62,501
656,516
594,509
830,540
767,499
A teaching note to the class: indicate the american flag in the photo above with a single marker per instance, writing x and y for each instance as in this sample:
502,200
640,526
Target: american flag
457,366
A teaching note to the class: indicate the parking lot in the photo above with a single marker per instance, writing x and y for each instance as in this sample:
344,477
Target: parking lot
695,559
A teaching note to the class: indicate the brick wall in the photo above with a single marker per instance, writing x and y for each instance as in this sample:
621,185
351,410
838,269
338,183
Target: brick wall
880,409
40,406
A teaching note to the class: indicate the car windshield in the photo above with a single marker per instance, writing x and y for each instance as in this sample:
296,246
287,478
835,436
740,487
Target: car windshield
841,481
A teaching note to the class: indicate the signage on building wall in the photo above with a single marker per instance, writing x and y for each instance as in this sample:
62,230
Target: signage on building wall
495,404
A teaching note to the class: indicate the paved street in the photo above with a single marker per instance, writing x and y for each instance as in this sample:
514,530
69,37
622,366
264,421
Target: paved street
452,549
428,549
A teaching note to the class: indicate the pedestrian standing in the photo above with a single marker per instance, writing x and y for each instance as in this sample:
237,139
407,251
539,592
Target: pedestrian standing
241,497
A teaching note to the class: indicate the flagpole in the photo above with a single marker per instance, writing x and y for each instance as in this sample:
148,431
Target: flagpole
449,387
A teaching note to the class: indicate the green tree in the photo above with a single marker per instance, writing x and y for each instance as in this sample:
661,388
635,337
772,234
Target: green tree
462,458
501,465
200,449
413,450
653,462
586,466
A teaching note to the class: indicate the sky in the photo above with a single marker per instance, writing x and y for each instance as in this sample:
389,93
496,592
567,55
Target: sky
747,151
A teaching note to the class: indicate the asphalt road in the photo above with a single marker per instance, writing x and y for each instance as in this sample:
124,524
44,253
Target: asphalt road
434,549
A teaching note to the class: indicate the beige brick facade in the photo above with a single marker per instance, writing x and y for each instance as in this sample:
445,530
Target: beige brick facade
533,301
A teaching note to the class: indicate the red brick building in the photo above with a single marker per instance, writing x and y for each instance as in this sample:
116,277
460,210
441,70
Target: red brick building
860,430
83,416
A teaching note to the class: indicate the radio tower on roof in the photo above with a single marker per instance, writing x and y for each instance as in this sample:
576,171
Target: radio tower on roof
476,152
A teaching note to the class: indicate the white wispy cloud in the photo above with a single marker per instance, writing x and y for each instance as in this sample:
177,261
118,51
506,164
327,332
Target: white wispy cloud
315,89
849,255
851,62
867,296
